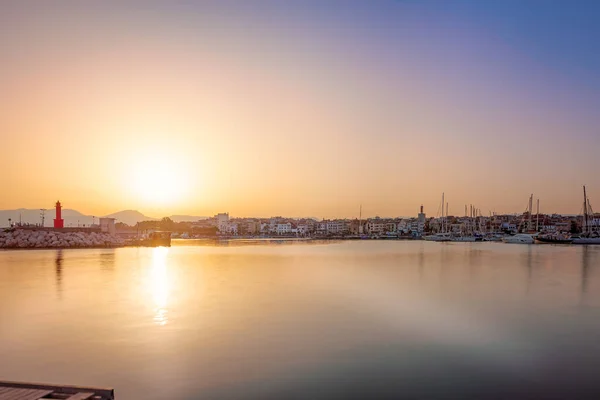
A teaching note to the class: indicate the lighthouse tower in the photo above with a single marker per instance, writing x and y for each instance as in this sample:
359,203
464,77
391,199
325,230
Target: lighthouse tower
58,221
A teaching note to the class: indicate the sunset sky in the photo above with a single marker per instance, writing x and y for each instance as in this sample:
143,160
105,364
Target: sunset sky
299,108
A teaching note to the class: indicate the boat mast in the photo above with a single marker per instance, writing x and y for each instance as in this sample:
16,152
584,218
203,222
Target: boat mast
447,217
537,221
591,223
530,222
442,212
585,213
360,220
471,223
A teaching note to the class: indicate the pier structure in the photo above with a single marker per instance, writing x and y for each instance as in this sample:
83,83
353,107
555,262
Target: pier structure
40,391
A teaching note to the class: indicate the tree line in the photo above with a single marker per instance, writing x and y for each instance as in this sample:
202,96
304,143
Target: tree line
167,224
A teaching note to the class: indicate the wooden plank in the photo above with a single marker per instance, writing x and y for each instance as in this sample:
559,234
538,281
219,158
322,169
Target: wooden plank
8,392
33,394
104,393
81,396
20,394
11,393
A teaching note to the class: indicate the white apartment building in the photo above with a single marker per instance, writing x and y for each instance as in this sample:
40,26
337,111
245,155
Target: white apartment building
375,226
417,226
390,227
222,220
282,229
336,227
322,227
302,229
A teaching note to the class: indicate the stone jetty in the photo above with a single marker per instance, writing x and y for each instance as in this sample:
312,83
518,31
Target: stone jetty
22,238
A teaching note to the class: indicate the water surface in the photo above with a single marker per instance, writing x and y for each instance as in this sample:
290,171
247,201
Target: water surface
306,320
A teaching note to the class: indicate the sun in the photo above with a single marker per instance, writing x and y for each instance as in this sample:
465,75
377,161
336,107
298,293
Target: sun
159,183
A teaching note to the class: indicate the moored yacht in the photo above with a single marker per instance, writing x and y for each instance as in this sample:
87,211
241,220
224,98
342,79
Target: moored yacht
521,238
586,239
439,237
556,238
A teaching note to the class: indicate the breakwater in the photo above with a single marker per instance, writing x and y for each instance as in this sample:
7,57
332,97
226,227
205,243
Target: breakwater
22,238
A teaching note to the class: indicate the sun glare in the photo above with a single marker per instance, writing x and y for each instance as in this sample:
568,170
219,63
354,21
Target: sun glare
159,183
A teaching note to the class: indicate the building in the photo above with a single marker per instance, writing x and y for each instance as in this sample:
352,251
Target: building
321,228
355,227
283,229
253,227
107,225
336,227
390,227
222,220
375,226
302,229
421,216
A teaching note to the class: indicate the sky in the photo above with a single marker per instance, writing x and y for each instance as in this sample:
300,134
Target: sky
312,108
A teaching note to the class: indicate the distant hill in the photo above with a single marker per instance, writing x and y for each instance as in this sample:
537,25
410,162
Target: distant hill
186,218
34,216
130,217
75,218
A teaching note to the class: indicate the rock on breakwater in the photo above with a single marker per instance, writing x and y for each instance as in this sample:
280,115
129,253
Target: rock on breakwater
21,239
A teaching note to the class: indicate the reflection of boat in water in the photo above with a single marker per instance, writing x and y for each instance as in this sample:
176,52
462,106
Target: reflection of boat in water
520,238
153,239
556,238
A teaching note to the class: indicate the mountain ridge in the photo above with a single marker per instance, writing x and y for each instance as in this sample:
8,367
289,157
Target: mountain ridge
76,218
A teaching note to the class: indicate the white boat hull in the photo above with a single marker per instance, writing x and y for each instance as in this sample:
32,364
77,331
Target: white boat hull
519,239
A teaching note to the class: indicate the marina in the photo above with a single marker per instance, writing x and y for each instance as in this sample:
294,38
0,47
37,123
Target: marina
267,200
526,228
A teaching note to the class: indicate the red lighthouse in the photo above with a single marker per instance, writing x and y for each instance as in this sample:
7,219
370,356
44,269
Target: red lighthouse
58,221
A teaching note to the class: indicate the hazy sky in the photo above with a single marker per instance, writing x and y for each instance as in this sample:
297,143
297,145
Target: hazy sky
299,108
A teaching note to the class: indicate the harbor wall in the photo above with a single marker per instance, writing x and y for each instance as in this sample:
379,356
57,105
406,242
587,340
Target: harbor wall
25,238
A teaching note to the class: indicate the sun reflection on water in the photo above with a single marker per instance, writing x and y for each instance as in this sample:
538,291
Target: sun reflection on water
159,285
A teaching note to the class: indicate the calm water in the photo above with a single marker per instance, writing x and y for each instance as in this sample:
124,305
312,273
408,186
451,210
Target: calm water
267,320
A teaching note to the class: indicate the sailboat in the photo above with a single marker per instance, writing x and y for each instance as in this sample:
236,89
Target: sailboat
442,236
550,237
589,235
523,238
470,236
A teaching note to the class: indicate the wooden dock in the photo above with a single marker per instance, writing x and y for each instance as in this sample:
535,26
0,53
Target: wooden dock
38,391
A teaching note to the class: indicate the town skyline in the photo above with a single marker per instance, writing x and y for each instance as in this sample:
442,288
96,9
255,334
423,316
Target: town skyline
83,216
